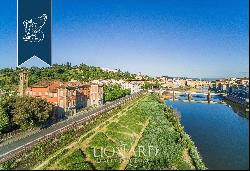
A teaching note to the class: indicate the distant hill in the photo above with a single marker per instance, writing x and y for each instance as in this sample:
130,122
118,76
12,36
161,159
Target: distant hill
9,77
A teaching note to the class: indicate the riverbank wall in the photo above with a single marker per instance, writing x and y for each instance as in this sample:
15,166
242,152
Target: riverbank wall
236,100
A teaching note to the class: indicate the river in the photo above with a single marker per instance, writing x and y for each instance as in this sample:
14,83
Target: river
219,132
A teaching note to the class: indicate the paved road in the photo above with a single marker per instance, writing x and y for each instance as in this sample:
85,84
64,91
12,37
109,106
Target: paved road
81,116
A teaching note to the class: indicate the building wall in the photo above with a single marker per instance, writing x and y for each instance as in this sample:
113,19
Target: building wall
133,86
96,95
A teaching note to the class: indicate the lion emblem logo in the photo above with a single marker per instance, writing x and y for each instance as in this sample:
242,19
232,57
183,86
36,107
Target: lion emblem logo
33,29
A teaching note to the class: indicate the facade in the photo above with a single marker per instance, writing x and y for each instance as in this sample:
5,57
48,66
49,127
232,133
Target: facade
182,82
23,76
133,86
96,95
237,87
65,96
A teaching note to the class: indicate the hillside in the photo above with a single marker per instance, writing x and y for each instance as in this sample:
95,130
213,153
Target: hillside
9,77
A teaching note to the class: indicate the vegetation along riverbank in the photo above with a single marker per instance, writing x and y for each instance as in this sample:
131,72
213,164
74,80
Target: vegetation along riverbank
143,134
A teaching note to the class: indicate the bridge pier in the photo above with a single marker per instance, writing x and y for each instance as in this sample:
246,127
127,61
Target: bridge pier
173,95
208,97
189,97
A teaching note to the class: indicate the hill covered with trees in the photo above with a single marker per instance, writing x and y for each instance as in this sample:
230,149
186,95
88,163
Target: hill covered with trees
9,77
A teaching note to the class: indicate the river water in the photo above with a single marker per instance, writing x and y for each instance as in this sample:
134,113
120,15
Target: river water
219,132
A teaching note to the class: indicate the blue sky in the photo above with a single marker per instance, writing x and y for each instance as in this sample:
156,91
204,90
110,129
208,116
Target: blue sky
193,38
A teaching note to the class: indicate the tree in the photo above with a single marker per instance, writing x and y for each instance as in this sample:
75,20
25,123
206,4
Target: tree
113,92
31,112
148,85
4,120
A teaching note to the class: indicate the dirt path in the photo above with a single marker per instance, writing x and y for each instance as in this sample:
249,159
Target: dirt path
132,149
103,128
72,146
85,144
39,167
100,128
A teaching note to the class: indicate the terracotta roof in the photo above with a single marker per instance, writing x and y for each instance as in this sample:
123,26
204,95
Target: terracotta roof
56,84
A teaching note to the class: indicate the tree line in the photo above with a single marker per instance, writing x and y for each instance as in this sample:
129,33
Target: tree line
9,77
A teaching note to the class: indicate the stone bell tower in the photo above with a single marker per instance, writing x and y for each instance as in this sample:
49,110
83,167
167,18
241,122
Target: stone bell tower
23,83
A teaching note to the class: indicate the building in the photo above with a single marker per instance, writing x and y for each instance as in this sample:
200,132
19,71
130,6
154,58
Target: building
65,96
109,70
23,76
134,86
96,94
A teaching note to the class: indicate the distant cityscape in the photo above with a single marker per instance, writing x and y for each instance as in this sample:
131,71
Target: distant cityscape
124,85
37,103
70,96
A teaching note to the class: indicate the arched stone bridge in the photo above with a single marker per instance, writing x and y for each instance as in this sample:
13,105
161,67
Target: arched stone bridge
172,94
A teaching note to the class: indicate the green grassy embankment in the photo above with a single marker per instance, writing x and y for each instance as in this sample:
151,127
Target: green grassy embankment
143,134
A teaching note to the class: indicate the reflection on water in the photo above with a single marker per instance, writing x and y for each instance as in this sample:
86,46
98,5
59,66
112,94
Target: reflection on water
200,97
220,134
239,109
217,98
